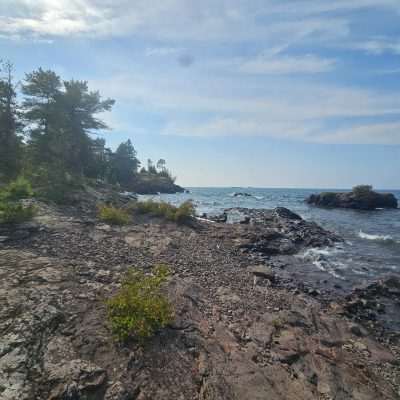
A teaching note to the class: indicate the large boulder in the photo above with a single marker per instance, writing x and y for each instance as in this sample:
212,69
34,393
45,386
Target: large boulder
357,199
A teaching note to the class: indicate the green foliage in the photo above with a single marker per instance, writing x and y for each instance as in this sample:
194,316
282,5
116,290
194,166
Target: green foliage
10,125
113,215
124,164
15,213
181,214
362,190
11,210
61,116
329,197
58,118
140,309
53,183
184,212
17,190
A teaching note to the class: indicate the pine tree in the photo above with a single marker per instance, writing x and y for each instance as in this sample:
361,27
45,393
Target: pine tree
10,142
125,164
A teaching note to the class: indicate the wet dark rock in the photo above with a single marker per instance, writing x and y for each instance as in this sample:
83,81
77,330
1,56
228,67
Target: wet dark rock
241,194
220,218
280,232
283,212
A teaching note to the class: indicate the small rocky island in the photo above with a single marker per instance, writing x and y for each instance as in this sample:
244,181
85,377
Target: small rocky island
360,198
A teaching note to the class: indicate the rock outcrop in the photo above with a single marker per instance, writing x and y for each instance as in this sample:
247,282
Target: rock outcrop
237,333
369,200
155,185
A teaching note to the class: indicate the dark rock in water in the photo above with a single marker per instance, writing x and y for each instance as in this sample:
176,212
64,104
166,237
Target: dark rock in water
360,200
280,232
283,212
241,194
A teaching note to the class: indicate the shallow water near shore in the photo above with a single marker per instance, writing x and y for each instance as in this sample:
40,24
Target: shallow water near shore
371,247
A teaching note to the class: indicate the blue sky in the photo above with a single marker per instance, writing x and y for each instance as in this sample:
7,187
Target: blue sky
270,93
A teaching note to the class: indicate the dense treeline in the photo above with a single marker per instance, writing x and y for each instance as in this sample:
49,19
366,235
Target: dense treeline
48,132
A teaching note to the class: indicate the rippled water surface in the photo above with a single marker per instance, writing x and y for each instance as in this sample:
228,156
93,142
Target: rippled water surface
372,238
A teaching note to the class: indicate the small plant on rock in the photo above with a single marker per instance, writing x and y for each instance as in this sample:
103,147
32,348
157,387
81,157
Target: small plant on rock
113,215
139,309
181,214
12,211
362,190
15,213
16,190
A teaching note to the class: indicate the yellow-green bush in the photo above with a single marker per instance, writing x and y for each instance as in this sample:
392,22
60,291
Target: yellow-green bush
15,213
180,214
113,215
16,190
139,309
11,210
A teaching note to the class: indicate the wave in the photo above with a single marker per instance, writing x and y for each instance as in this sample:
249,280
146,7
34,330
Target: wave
381,238
316,252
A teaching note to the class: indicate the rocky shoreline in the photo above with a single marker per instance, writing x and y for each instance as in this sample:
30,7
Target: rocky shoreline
242,329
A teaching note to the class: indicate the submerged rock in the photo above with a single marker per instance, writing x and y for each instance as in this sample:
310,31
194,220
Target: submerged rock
241,194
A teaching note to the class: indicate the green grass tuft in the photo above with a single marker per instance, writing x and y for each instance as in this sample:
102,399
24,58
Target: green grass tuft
181,214
11,210
113,215
15,213
140,309
16,190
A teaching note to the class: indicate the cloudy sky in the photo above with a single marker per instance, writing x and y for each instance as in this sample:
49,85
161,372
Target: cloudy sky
287,93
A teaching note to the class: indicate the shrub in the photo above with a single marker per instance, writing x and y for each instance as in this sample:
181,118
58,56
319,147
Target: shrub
362,190
139,309
180,214
15,213
113,215
52,183
17,190
185,211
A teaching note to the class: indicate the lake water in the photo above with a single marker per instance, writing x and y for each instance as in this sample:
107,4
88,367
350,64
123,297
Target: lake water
372,238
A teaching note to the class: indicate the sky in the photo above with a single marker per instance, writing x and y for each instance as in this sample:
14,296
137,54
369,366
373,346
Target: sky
263,93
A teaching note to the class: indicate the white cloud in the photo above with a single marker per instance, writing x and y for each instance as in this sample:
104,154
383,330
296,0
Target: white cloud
224,97
169,19
379,46
287,65
373,133
288,110
163,51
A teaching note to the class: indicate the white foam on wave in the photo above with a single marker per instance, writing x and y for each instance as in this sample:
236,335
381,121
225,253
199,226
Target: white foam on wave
315,252
323,259
368,236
